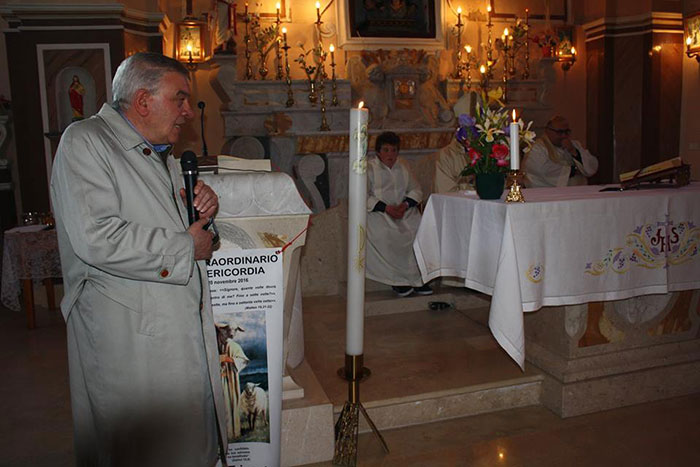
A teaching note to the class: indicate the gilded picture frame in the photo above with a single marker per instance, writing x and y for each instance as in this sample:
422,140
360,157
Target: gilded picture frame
390,24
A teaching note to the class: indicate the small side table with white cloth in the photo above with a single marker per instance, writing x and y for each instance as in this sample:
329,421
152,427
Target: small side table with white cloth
563,246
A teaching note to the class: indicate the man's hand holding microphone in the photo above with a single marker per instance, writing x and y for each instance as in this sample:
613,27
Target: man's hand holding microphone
202,204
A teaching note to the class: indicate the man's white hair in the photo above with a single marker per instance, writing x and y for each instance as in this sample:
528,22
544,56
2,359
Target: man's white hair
143,70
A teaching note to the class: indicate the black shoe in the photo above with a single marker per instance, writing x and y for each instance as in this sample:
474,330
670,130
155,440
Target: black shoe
423,290
403,290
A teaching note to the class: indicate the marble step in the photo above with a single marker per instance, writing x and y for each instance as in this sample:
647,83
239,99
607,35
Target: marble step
452,403
381,300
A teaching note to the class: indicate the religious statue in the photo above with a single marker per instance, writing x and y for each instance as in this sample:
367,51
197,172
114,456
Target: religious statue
76,93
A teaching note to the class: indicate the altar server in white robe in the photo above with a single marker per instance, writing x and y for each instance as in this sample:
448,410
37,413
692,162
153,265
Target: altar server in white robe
393,218
557,160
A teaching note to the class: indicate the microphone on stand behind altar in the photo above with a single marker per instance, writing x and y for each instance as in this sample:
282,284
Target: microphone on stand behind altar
190,172
201,106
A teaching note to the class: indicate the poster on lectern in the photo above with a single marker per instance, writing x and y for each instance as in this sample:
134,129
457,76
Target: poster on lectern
247,300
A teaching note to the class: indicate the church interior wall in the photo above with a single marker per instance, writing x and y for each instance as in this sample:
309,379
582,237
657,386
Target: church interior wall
568,93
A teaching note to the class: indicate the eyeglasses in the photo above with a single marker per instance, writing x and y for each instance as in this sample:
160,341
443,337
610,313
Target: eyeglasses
566,131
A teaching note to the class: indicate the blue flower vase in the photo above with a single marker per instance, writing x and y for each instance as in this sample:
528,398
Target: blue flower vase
490,186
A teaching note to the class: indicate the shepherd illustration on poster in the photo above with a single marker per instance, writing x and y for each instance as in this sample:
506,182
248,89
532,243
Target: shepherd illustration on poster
244,375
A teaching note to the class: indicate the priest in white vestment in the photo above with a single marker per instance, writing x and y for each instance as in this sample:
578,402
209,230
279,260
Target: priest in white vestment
452,159
392,220
557,160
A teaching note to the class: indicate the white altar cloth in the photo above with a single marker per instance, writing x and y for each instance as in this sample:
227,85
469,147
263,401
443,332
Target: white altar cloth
563,246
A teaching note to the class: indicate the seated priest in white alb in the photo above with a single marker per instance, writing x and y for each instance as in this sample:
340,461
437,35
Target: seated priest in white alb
452,159
392,221
557,160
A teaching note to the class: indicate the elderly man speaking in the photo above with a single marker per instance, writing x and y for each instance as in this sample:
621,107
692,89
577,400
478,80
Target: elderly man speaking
557,160
143,359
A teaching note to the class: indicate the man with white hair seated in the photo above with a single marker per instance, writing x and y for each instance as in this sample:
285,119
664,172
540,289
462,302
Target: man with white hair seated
557,160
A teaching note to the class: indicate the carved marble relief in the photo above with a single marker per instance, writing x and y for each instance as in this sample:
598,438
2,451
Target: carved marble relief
638,319
400,87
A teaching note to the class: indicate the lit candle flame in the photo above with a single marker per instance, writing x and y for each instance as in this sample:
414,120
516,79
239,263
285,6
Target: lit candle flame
189,47
459,10
331,48
505,32
284,30
573,50
278,5
688,41
318,5
514,116
482,69
361,104
488,8
468,48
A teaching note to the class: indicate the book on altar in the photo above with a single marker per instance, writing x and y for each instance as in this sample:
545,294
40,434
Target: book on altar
652,169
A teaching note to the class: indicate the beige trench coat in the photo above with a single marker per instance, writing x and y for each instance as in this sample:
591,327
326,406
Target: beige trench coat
143,360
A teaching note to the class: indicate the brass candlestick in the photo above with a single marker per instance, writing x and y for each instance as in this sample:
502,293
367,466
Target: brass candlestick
320,76
506,48
347,426
246,39
322,91
515,194
280,75
334,84
468,65
458,67
489,45
278,54
290,94
526,72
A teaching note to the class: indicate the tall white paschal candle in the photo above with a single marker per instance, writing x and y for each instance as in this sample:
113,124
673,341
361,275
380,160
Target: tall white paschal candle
357,230
514,144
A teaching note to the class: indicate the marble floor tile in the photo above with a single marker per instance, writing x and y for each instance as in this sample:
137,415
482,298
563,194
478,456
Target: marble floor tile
418,351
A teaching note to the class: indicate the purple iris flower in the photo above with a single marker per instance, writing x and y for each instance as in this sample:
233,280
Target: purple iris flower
506,130
466,120
461,134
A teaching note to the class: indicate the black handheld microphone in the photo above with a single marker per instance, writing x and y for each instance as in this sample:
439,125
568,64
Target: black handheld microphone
188,162
201,105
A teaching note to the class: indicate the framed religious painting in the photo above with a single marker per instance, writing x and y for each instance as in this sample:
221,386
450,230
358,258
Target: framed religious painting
692,34
74,81
390,24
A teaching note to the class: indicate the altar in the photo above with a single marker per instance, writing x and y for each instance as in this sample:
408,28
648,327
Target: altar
589,253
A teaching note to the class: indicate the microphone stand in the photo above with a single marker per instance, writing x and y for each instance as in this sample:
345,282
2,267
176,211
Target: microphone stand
201,105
